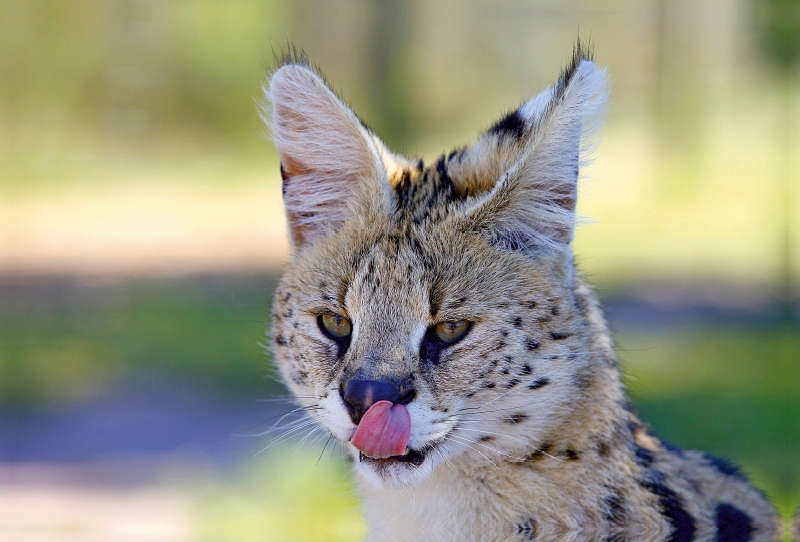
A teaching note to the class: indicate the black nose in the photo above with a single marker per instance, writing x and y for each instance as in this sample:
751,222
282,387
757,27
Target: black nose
359,395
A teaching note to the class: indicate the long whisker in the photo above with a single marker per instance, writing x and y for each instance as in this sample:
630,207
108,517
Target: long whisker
491,433
316,440
538,450
283,416
323,448
286,436
465,443
504,454
275,427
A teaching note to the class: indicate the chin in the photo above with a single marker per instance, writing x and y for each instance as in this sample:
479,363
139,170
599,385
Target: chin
395,472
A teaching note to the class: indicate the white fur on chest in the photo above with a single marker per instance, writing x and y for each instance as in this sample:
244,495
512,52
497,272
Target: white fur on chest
446,506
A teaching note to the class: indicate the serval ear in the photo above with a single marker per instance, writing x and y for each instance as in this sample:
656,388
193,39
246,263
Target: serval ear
524,170
330,162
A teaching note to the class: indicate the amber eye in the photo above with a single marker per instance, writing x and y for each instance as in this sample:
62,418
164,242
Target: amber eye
451,332
334,326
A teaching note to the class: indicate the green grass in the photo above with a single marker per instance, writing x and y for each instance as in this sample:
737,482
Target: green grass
67,341
284,496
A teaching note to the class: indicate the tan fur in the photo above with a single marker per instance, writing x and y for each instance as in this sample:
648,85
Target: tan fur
526,429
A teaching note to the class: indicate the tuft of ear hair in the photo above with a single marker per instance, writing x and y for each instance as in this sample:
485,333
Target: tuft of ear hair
526,166
329,159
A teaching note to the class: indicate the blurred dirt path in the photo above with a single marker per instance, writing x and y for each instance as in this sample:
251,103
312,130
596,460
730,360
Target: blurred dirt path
62,503
148,228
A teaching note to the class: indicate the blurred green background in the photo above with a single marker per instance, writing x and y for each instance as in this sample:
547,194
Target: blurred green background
141,236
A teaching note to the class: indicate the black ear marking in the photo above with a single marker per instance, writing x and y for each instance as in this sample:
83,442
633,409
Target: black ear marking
512,126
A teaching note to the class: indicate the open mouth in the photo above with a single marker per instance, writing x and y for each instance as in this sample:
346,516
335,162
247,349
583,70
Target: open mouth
411,457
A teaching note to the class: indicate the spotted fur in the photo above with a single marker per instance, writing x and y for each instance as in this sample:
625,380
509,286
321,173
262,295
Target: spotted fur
523,427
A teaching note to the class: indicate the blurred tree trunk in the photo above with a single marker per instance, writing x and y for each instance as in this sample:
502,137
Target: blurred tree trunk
387,72
778,29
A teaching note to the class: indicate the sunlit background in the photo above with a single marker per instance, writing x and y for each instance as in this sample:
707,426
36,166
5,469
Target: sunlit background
141,234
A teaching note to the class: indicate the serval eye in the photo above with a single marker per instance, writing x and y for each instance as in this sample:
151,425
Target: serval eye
334,326
451,332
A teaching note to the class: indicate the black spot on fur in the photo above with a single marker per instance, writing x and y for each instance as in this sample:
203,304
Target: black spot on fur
487,385
504,332
643,456
538,454
525,370
571,455
582,379
284,179
516,418
280,340
511,383
485,438
555,310
505,371
615,511
528,528
512,125
682,523
603,449
559,336
517,322
724,466
441,169
539,383
455,154
672,448
530,344
733,525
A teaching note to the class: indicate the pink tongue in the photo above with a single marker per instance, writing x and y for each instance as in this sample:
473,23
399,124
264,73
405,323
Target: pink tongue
383,431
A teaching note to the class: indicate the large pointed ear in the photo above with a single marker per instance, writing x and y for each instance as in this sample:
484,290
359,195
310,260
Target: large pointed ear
329,160
524,171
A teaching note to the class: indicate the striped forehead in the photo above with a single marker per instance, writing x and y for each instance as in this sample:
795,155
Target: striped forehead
423,193
394,270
